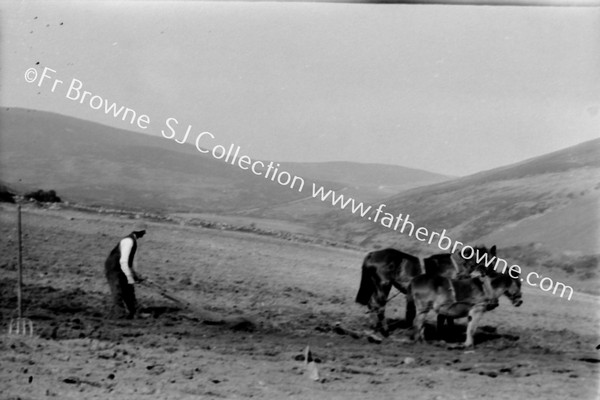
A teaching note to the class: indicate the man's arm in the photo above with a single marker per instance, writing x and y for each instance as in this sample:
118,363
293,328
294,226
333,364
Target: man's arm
125,247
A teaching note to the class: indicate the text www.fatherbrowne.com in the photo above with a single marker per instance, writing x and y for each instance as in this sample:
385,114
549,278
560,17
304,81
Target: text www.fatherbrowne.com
402,223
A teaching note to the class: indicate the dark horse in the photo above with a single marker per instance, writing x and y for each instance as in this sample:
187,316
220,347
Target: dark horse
385,268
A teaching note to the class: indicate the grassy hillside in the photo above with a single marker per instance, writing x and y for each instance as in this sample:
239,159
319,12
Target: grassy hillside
92,163
550,201
95,164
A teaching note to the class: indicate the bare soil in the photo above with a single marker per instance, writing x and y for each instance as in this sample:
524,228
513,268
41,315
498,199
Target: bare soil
258,302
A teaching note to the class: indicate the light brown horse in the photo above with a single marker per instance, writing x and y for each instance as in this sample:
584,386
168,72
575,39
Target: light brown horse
457,298
385,268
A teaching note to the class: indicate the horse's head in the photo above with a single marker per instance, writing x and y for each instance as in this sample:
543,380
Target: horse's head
504,284
501,283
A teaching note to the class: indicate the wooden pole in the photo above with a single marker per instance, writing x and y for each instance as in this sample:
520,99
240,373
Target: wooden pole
20,279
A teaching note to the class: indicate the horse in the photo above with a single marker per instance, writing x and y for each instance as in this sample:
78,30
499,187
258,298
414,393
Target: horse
382,269
472,266
457,298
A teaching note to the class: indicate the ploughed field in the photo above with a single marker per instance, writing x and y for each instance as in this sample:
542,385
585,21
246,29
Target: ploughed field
258,302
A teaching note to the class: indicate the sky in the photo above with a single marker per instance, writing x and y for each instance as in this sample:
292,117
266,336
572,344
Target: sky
449,89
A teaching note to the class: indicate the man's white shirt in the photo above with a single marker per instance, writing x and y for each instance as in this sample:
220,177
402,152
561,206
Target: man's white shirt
125,247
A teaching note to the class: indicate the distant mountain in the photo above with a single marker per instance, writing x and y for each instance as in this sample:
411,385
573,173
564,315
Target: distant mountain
369,181
96,164
551,200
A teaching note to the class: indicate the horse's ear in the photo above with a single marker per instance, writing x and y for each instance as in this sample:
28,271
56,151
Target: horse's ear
493,251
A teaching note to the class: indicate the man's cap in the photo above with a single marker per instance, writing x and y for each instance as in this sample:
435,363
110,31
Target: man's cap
139,227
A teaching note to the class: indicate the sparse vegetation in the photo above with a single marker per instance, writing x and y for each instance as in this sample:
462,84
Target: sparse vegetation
569,269
5,195
43,196
588,275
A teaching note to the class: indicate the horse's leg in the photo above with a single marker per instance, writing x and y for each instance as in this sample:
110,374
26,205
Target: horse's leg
450,326
377,307
448,310
445,316
410,304
418,325
440,324
411,311
474,316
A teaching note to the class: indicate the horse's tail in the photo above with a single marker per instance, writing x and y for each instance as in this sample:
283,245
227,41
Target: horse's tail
367,286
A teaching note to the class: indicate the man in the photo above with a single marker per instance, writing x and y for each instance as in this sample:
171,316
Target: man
121,274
